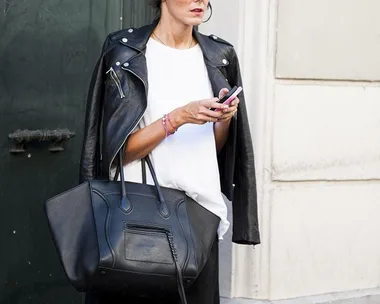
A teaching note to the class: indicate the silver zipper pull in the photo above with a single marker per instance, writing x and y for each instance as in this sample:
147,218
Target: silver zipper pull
116,80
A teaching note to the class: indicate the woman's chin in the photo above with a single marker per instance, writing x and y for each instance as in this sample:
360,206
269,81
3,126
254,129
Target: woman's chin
195,21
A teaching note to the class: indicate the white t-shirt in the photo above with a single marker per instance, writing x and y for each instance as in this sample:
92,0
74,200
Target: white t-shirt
186,160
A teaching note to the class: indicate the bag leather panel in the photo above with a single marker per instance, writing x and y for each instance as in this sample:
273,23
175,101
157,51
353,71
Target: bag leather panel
144,212
102,212
143,284
146,246
204,230
190,266
71,222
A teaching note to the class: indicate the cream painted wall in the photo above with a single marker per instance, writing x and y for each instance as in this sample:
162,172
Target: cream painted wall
326,132
327,39
324,238
325,165
316,143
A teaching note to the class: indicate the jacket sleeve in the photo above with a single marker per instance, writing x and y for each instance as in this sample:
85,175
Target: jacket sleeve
90,157
245,215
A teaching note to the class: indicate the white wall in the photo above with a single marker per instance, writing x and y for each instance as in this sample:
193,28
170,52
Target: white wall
327,39
311,75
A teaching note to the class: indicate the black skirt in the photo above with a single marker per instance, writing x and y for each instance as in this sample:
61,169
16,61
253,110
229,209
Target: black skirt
205,290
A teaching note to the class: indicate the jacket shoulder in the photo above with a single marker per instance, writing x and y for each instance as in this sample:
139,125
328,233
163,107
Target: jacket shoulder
216,39
215,47
127,33
114,37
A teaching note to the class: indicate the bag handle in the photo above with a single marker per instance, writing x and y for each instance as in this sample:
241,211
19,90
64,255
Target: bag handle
143,170
125,203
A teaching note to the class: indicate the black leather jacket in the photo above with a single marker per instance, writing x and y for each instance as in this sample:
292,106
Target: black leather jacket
117,101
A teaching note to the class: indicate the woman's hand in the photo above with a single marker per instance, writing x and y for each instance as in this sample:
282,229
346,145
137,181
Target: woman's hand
198,112
231,110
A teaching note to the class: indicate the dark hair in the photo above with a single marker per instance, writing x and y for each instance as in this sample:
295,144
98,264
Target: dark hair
156,4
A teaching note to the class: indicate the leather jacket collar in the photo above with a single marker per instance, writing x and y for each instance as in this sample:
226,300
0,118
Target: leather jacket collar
132,57
137,39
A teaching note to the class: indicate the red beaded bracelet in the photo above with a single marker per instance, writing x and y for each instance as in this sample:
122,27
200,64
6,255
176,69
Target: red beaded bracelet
167,132
170,122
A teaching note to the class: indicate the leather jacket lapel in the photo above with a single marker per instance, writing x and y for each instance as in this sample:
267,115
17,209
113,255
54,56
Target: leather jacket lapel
137,41
139,37
137,66
217,79
215,60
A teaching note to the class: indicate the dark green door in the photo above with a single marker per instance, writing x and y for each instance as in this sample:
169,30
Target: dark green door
47,52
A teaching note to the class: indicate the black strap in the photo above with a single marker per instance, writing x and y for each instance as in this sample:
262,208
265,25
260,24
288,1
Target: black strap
117,172
143,170
181,288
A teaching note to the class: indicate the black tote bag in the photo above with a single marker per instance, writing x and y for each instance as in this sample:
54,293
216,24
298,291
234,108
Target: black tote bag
133,238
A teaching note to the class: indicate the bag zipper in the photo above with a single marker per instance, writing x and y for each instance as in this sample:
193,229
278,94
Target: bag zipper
146,228
164,231
116,80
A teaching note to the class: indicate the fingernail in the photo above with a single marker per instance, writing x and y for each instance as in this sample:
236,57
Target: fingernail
225,107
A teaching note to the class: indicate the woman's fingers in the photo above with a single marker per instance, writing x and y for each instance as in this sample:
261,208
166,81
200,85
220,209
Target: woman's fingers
230,112
200,112
233,106
223,92
235,102
227,116
213,104
202,118
210,113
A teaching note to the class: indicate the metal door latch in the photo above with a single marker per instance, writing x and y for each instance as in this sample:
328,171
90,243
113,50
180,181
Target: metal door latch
56,137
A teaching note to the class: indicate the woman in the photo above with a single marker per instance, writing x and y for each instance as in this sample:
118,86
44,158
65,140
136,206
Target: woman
153,90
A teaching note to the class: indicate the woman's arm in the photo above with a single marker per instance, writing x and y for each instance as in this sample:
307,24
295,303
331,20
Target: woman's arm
143,141
221,132
222,126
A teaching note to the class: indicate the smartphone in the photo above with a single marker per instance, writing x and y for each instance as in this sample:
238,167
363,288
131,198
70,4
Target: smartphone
230,96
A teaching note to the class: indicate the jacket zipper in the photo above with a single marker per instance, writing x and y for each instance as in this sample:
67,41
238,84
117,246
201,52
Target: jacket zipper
138,121
116,80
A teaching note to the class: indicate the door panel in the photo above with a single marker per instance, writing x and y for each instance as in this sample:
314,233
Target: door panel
136,13
47,52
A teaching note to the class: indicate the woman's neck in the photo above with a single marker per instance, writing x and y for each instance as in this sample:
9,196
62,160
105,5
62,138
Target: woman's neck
174,34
